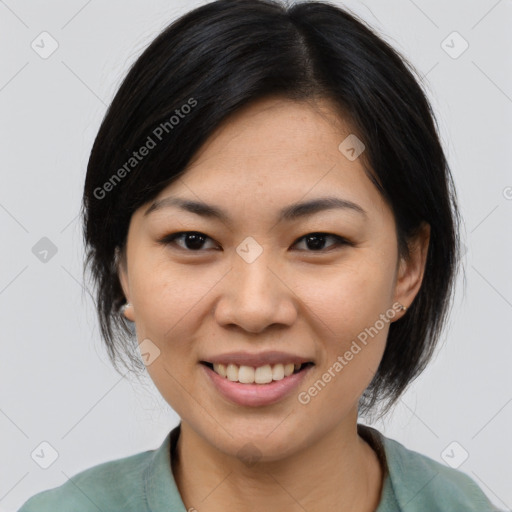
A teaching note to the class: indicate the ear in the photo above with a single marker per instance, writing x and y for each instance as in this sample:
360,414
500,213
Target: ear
122,273
411,270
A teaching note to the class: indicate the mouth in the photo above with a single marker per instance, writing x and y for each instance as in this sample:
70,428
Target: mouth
262,375
259,386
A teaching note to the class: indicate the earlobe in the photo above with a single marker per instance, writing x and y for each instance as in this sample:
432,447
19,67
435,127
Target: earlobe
127,311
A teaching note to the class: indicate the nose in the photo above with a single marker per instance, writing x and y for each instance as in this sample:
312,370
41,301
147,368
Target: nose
255,296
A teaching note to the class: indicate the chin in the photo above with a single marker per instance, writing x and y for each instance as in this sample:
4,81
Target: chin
262,441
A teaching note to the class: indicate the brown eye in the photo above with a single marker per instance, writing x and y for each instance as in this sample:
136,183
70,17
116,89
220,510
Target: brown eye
316,241
192,241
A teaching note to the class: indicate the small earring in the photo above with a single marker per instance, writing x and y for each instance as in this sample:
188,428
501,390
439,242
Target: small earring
403,308
125,306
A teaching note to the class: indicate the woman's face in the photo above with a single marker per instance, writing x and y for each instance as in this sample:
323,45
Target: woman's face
255,283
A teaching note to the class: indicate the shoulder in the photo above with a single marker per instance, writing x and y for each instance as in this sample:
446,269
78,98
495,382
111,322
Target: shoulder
112,485
421,483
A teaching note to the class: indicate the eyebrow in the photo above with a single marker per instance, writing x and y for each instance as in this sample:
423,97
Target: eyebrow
289,213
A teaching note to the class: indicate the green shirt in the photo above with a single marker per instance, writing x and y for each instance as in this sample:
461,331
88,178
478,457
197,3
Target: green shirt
144,482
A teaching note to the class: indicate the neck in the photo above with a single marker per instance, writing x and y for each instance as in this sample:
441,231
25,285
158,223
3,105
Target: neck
339,472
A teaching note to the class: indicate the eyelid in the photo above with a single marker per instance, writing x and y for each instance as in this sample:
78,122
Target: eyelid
169,239
340,240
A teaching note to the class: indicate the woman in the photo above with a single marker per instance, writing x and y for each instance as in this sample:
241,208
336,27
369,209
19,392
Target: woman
269,214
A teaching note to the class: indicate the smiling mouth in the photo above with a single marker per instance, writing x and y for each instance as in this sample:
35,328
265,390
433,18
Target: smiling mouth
256,375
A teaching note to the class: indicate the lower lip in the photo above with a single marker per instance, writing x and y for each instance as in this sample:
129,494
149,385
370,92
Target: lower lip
254,395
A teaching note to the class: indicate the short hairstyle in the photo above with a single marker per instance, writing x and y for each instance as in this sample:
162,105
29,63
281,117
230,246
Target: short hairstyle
223,55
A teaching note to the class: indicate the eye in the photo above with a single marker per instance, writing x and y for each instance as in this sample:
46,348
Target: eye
192,240
316,241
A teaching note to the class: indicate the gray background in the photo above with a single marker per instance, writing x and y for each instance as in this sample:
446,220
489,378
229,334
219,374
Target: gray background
56,382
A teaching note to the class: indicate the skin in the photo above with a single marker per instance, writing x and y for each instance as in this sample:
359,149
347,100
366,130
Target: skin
294,297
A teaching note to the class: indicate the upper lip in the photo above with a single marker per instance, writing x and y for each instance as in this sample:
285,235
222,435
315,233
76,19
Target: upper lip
258,359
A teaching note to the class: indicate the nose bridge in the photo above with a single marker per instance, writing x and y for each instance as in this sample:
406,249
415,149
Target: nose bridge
256,297
254,279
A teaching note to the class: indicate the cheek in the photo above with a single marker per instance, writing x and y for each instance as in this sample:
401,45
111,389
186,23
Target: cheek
348,298
351,312
353,348
169,297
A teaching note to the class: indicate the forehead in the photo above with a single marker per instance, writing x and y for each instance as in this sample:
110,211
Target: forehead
271,132
275,152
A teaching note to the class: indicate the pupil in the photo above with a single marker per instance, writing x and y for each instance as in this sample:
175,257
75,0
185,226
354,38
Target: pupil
318,241
197,241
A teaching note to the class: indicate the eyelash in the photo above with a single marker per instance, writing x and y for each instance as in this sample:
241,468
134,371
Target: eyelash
170,240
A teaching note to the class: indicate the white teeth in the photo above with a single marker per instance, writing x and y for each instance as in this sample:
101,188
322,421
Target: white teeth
261,375
246,375
288,369
220,369
278,372
231,372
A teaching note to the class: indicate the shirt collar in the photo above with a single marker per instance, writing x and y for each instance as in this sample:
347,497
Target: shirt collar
163,495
